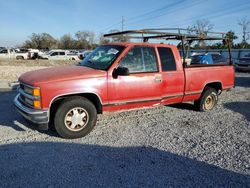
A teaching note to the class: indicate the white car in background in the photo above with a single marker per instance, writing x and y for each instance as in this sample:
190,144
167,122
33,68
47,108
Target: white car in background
12,54
59,55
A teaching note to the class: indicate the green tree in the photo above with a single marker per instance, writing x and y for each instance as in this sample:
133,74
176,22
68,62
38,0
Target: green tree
231,37
40,41
85,39
67,42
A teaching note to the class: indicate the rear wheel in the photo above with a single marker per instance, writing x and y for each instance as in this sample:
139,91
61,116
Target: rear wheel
207,101
75,117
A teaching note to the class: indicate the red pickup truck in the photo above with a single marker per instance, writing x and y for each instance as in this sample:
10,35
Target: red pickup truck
116,77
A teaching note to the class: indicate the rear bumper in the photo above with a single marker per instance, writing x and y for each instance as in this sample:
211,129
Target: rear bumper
40,117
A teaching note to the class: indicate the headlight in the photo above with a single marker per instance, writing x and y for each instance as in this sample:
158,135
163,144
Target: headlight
31,95
28,90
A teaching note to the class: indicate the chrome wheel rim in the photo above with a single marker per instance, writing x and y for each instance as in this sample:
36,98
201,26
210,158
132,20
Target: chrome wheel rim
209,102
76,119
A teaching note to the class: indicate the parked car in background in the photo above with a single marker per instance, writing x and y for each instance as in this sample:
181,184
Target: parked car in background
59,55
207,58
243,64
12,54
33,53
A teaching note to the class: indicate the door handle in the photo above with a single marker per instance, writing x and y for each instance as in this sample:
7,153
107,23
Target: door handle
158,79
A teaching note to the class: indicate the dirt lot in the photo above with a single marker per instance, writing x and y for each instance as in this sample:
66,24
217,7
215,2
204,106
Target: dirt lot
172,146
11,70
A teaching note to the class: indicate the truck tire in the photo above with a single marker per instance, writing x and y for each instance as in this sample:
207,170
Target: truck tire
207,101
75,117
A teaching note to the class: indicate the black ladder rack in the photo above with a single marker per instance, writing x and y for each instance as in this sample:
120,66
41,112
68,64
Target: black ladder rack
168,34
183,35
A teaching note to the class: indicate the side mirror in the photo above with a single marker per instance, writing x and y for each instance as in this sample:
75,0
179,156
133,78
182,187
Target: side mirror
120,71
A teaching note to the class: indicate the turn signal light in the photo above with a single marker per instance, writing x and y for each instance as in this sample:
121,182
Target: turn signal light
36,92
37,104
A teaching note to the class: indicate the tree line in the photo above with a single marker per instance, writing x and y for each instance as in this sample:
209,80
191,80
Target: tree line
202,27
80,40
89,40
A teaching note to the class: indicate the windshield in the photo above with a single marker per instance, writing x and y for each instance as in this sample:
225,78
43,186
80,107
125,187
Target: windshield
49,52
102,57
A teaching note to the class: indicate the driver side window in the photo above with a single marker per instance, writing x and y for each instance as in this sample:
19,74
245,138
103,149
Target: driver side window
139,60
4,52
54,54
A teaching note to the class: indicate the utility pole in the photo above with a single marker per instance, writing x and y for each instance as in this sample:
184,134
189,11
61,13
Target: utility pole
122,23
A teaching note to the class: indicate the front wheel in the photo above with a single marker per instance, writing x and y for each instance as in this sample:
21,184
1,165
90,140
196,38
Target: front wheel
207,101
75,117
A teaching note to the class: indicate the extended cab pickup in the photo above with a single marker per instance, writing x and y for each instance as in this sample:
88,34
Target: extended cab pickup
12,54
116,77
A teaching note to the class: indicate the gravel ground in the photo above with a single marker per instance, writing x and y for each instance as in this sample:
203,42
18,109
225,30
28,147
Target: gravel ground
170,146
10,70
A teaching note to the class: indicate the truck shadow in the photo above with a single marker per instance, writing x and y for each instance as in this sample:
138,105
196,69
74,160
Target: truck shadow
8,114
240,107
183,106
53,164
9,117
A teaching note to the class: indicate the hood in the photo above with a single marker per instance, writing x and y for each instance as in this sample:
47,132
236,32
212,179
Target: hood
59,74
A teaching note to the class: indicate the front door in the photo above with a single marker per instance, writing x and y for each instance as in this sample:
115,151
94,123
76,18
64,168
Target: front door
142,87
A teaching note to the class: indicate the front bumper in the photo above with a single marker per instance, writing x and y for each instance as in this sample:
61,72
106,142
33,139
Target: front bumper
40,117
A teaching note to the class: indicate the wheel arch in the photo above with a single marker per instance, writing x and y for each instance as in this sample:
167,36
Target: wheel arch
217,85
94,98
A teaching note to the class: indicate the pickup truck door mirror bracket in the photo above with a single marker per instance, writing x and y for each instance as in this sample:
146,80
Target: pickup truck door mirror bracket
120,71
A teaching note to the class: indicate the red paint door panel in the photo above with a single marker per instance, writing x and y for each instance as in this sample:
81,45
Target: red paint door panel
143,85
135,87
173,79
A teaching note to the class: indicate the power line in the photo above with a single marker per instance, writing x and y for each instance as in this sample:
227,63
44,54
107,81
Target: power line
145,14
168,6
111,26
216,14
171,11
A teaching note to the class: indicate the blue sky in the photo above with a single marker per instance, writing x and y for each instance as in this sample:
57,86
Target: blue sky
20,18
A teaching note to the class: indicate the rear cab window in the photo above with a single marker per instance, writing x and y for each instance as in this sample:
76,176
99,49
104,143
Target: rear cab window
167,59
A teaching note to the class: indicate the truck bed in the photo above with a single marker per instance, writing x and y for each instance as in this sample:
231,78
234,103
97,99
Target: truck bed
197,77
